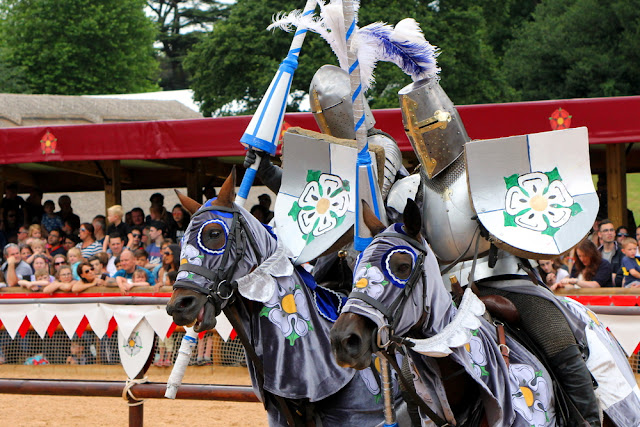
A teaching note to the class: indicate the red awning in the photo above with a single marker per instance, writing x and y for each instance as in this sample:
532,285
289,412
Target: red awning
610,120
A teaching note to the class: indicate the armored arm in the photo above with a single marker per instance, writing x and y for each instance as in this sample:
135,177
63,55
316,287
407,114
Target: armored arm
269,174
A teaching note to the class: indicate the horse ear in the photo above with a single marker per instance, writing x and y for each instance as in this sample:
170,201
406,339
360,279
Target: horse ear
189,204
227,193
412,218
371,220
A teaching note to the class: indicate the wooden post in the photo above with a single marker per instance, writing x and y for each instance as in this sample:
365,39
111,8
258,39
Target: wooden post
195,180
112,183
617,184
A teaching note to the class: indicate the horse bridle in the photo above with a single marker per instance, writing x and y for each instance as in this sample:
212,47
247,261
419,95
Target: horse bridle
221,284
390,312
387,347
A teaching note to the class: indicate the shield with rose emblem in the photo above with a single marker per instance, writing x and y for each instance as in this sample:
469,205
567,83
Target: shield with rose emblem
533,193
316,202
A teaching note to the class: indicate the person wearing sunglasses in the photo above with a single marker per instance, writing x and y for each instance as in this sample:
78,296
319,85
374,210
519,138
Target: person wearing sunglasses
88,245
135,238
58,261
621,233
88,278
170,262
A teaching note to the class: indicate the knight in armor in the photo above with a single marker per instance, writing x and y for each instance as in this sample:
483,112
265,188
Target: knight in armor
451,227
330,99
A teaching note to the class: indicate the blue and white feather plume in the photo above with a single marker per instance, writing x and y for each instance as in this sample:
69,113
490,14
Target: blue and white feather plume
404,45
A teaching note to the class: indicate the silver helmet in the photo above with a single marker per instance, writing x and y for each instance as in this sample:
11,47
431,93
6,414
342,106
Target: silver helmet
330,98
432,124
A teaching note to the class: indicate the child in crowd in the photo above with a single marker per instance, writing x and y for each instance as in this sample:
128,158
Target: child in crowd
139,278
38,247
74,256
49,219
63,282
77,356
26,253
630,265
42,280
142,257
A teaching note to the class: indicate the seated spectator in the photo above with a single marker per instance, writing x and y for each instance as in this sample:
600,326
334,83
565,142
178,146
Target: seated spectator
88,278
156,236
54,243
63,282
74,257
551,272
137,217
77,356
140,278
622,232
260,212
99,223
128,266
179,223
170,262
66,214
116,245
26,253
42,280
40,262
88,244
14,268
157,211
590,269
23,234
142,258
135,237
70,241
58,261
114,216
39,248
630,267
99,263
35,231
51,221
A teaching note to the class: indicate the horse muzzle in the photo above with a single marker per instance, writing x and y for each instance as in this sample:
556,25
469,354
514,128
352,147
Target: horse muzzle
351,341
187,308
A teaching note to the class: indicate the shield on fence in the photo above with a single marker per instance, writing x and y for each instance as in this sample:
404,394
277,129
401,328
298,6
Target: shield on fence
135,348
533,193
316,202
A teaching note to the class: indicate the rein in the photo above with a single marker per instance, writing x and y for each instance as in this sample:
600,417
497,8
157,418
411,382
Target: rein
387,348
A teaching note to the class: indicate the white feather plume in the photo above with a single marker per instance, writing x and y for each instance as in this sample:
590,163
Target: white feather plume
404,45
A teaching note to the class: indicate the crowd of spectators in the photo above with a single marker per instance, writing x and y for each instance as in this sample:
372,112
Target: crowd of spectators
608,257
48,251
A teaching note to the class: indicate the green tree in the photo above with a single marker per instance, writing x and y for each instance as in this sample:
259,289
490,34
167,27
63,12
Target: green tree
181,24
238,59
77,47
577,48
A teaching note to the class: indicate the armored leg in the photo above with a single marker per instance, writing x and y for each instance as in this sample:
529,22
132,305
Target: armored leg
547,327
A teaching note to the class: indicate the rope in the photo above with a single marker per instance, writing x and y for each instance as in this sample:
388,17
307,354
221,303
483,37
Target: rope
127,393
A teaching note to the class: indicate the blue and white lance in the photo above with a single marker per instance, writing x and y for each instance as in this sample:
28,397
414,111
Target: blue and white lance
366,182
263,131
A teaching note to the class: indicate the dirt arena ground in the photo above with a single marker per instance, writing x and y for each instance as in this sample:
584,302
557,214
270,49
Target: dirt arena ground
53,411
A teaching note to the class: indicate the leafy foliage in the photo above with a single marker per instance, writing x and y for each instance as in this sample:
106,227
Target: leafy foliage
574,49
77,47
181,24
239,58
